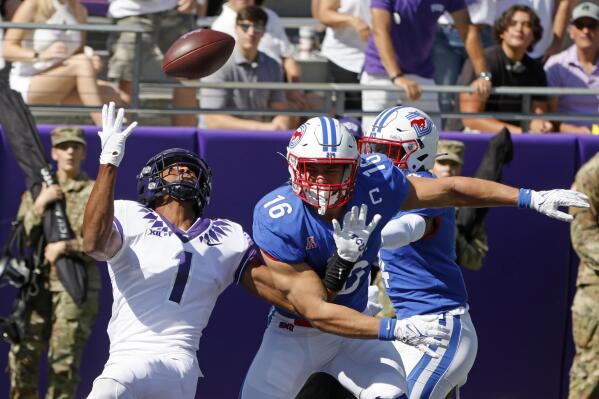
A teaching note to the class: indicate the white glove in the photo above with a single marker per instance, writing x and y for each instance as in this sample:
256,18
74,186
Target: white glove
352,239
422,331
547,202
112,136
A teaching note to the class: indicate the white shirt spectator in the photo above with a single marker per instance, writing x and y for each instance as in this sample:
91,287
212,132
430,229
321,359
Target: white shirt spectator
274,43
342,45
128,8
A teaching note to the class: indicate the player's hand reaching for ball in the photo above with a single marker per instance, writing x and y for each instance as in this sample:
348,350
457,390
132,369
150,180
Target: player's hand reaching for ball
113,136
351,240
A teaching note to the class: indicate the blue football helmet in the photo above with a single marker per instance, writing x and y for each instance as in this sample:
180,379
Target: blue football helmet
150,184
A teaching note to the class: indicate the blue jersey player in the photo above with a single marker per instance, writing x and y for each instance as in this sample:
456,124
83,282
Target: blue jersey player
418,260
312,259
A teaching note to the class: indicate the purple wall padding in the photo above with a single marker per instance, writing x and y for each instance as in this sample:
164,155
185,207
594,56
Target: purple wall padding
519,300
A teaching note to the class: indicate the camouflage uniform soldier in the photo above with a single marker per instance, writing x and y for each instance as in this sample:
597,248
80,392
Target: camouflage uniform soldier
54,320
584,374
471,253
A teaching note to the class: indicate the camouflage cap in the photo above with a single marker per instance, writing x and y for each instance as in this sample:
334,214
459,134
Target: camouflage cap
451,150
65,134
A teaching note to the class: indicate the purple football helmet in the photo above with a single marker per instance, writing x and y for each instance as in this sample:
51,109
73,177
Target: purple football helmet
150,184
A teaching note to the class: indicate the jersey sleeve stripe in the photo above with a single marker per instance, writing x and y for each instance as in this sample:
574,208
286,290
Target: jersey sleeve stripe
119,227
250,254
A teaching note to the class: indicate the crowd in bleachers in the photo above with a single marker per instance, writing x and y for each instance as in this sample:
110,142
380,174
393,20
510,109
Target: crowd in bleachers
402,44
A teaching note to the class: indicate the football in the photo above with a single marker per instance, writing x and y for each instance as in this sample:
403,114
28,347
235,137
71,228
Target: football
197,54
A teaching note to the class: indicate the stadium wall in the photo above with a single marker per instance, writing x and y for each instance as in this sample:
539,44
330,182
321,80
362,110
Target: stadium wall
519,301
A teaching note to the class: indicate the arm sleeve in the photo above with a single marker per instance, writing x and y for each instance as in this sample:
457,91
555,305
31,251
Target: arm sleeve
585,226
552,73
274,237
28,213
402,231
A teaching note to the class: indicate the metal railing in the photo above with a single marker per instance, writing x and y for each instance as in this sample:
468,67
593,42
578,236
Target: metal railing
137,30
333,93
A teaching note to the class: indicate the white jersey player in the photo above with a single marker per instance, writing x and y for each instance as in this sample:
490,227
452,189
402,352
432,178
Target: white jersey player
167,267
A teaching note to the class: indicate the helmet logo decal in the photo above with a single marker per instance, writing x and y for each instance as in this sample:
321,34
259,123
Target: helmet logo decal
419,123
297,136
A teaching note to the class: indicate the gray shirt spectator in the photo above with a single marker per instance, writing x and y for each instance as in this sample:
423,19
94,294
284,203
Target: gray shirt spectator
240,69
246,64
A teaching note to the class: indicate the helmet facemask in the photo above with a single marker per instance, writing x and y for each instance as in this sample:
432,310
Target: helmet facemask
322,195
398,151
316,145
152,184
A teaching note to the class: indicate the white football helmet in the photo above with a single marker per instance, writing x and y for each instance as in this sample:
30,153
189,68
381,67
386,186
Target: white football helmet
406,135
322,141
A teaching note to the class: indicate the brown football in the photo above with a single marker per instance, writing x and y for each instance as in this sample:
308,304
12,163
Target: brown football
197,54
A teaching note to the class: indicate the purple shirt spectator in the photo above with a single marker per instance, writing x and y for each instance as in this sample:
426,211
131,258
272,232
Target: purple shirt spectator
413,29
564,70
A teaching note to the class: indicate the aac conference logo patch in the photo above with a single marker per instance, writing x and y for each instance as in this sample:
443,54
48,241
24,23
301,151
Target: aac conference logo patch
297,136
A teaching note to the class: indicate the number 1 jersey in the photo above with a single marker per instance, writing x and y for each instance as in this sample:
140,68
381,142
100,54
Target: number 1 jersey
165,281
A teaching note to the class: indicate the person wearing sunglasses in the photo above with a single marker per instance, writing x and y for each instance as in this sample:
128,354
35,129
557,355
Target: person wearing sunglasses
246,64
577,67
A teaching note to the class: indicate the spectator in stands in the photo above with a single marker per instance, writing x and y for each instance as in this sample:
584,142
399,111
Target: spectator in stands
584,232
347,32
246,64
167,20
49,66
274,43
7,10
449,53
577,67
399,51
553,15
516,31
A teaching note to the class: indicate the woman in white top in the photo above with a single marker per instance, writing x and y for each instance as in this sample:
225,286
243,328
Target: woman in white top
49,66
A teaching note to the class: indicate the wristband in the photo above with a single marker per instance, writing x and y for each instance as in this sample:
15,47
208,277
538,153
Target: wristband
397,75
524,198
387,329
336,272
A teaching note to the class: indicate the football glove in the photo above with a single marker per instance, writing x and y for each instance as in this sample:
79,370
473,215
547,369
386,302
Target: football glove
547,202
351,240
112,136
419,331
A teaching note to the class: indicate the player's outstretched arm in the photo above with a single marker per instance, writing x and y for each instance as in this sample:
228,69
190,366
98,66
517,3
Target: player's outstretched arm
304,290
257,279
100,238
466,191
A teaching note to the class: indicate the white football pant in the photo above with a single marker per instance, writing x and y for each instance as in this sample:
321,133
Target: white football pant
289,354
430,378
148,377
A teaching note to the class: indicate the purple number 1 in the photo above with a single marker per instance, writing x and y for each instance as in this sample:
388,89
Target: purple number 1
182,276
